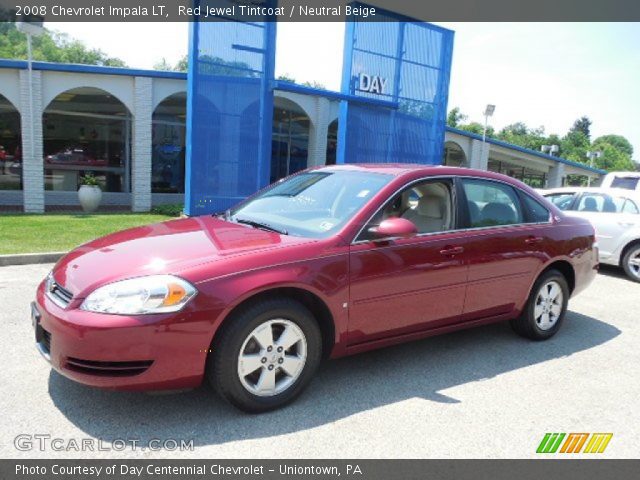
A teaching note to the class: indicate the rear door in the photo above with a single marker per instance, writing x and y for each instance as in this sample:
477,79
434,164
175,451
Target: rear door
504,247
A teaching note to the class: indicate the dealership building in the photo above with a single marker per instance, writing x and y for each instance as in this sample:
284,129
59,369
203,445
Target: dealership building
128,128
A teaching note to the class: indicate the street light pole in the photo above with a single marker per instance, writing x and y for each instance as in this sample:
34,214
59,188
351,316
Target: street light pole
591,155
488,111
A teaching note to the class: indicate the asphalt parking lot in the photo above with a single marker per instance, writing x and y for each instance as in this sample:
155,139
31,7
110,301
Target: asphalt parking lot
481,393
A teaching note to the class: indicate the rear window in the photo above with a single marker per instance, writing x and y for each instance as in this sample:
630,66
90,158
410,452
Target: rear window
628,183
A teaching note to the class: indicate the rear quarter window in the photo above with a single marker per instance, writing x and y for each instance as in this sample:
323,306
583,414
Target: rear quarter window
538,213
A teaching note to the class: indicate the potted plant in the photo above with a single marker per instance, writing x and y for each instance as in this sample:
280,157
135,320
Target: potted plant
89,193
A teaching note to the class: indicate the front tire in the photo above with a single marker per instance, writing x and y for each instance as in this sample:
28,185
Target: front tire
631,263
265,355
545,309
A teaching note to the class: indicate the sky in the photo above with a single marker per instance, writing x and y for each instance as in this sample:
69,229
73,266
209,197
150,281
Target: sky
543,74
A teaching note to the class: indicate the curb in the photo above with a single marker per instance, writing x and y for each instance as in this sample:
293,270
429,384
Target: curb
30,258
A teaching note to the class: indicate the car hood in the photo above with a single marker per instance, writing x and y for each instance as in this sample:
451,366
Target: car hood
175,247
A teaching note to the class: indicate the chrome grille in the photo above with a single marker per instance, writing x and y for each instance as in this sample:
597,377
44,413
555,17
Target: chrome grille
60,295
108,369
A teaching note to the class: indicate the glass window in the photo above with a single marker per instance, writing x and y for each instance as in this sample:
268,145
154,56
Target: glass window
168,145
10,143
332,143
629,183
492,203
312,204
86,131
427,205
561,200
290,139
598,202
630,207
538,213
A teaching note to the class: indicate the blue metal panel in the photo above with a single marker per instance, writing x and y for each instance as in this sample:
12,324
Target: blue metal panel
404,62
229,111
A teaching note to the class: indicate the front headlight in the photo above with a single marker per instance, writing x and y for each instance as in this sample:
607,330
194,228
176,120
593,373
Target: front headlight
143,295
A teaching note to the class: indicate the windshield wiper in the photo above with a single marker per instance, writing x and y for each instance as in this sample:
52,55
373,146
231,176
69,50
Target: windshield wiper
263,226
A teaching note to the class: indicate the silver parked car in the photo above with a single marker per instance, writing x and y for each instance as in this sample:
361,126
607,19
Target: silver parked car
615,214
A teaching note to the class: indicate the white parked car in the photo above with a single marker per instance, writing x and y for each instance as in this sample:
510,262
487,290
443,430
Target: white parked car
615,214
626,180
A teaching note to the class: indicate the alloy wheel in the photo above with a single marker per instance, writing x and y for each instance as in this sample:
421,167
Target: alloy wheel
272,357
633,263
548,306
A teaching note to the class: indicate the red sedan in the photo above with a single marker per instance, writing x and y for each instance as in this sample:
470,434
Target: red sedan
329,262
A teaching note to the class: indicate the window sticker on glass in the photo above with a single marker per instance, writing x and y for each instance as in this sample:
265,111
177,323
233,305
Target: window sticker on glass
363,193
324,226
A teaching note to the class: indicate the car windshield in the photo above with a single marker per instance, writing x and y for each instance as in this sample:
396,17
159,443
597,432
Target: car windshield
311,204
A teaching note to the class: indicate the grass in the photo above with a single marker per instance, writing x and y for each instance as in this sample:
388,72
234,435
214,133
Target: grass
22,233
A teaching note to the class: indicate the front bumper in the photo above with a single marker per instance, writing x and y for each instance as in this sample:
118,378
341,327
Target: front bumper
145,352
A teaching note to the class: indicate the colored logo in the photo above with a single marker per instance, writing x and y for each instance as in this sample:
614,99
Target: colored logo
574,443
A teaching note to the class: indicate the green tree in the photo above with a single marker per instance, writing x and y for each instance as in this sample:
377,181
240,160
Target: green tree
617,141
51,46
583,124
574,146
519,134
477,128
455,117
286,78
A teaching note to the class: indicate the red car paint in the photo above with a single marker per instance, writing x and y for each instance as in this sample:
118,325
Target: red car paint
377,293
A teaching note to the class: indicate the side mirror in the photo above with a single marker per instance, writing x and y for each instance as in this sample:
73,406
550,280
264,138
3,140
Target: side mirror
395,227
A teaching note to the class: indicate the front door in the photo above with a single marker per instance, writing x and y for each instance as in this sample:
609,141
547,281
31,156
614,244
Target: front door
400,286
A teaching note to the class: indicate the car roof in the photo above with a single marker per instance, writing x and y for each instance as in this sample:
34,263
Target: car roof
400,169
611,191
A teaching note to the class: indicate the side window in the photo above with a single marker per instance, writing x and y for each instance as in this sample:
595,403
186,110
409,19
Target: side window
561,200
538,213
491,203
596,202
427,204
630,207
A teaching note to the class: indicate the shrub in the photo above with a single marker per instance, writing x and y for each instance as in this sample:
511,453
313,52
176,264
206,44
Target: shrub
172,210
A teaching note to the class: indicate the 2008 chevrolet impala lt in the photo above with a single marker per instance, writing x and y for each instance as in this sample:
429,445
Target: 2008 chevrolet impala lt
328,262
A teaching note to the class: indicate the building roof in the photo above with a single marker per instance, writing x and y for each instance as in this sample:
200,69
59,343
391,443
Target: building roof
78,68
527,150
280,85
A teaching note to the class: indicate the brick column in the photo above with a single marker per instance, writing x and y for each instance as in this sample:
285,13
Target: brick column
141,147
556,176
479,155
318,133
32,156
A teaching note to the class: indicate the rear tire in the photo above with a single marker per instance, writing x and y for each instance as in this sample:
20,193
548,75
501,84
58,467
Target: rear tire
253,366
545,309
631,262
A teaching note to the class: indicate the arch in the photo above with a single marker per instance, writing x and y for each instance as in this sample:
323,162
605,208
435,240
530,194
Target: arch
86,130
56,83
163,90
306,103
290,138
454,155
10,86
332,143
10,146
168,144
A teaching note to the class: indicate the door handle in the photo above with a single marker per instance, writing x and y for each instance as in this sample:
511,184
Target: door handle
533,240
626,224
451,250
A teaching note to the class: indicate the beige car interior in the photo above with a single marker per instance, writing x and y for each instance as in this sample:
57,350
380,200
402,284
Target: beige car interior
427,205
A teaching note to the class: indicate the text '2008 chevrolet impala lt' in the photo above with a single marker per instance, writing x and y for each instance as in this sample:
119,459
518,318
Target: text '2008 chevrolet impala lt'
328,262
